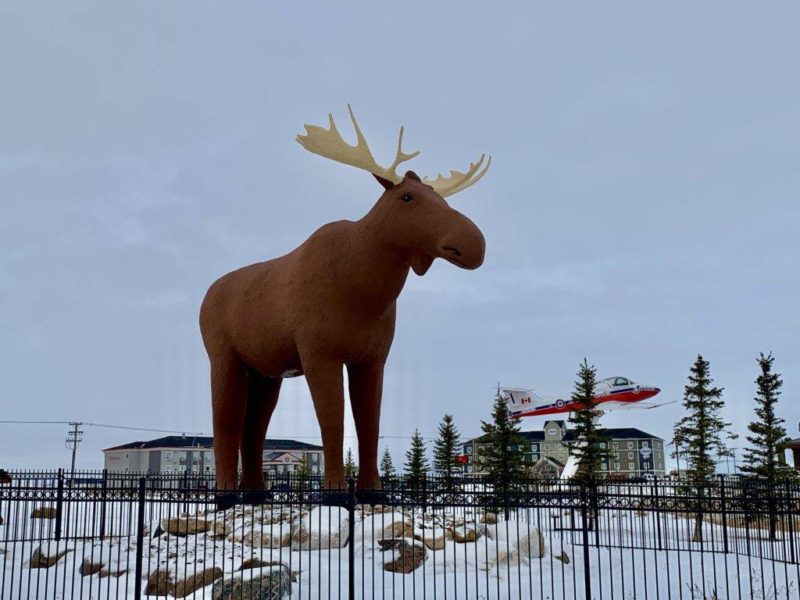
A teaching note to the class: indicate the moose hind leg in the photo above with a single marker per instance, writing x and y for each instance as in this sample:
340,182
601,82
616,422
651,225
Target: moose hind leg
325,380
366,387
262,397
228,400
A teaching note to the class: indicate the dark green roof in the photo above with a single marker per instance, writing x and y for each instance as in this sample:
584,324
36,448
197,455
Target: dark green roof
181,441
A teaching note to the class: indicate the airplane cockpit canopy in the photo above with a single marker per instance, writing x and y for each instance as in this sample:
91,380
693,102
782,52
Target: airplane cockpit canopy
617,381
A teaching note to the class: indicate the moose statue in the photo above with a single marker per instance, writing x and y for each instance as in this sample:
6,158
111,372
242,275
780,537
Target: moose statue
329,304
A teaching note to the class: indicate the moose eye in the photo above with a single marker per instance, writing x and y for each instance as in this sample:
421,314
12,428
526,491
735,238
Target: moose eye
406,197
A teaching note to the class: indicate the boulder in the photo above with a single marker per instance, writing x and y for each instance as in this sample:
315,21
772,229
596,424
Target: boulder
90,568
108,573
322,528
489,518
159,583
410,555
43,512
563,557
40,560
190,584
273,585
531,543
183,526
397,529
432,541
255,563
463,534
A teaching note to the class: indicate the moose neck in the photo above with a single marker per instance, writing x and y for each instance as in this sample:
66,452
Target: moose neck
378,270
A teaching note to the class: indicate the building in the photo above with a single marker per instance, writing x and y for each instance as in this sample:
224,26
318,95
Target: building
794,446
195,455
634,452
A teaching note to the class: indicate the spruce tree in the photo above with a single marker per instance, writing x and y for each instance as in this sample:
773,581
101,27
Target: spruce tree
768,433
445,449
387,466
416,465
501,447
700,433
588,449
350,466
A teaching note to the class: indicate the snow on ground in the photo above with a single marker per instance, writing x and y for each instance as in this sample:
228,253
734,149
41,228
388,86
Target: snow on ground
462,555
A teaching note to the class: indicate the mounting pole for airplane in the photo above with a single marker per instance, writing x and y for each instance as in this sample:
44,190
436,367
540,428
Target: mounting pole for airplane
74,437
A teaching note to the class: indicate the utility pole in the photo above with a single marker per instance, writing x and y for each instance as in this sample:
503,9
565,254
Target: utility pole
74,437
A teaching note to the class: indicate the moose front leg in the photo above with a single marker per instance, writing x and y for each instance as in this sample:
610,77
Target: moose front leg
326,383
366,388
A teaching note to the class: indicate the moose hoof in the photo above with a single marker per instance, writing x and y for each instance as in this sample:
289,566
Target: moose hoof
226,500
256,497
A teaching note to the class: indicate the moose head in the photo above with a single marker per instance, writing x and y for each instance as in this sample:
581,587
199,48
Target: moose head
412,214
329,304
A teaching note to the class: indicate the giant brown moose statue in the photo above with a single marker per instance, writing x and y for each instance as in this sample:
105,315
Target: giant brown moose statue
328,304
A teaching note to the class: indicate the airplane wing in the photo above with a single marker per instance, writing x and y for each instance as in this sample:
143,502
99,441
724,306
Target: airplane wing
641,405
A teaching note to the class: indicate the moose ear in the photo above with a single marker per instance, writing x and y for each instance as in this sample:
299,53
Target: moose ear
384,182
412,175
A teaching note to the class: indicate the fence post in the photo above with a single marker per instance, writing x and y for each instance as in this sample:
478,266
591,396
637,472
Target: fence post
103,494
424,492
657,511
59,503
587,579
137,590
790,514
351,544
724,510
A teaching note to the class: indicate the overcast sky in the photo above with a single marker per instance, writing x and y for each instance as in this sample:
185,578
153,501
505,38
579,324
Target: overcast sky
642,205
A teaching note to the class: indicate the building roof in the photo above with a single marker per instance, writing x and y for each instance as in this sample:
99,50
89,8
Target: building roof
615,433
793,443
181,441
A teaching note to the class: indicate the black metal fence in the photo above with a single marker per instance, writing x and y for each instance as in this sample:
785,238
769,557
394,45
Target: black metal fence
107,535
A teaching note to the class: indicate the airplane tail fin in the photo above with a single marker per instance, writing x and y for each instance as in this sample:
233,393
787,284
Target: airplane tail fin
518,400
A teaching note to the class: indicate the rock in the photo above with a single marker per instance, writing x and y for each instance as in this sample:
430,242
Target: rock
397,529
255,563
490,518
322,528
411,556
117,574
462,535
39,560
90,568
159,583
264,539
271,586
563,557
531,544
431,540
183,526
43,512
194,582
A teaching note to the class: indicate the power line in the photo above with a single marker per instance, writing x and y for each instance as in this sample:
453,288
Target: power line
178,431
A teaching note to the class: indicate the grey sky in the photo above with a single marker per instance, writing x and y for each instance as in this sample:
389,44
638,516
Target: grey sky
641,207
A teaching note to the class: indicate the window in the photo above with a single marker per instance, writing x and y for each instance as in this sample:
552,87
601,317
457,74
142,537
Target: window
616,445
604,467
602,444
630,445
620,381
645,444
630,455
630,466
616,466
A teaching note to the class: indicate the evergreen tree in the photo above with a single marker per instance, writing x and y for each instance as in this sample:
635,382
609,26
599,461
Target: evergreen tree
445,449
700,433
501,447
387,466
588,450
768,433
350,466
416,462
303,473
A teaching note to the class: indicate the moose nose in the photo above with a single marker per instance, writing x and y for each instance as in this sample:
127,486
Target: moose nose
465,245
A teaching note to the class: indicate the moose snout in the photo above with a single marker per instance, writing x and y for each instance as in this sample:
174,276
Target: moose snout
464,245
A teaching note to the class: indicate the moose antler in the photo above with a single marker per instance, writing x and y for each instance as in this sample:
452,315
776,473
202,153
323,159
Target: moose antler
330,144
